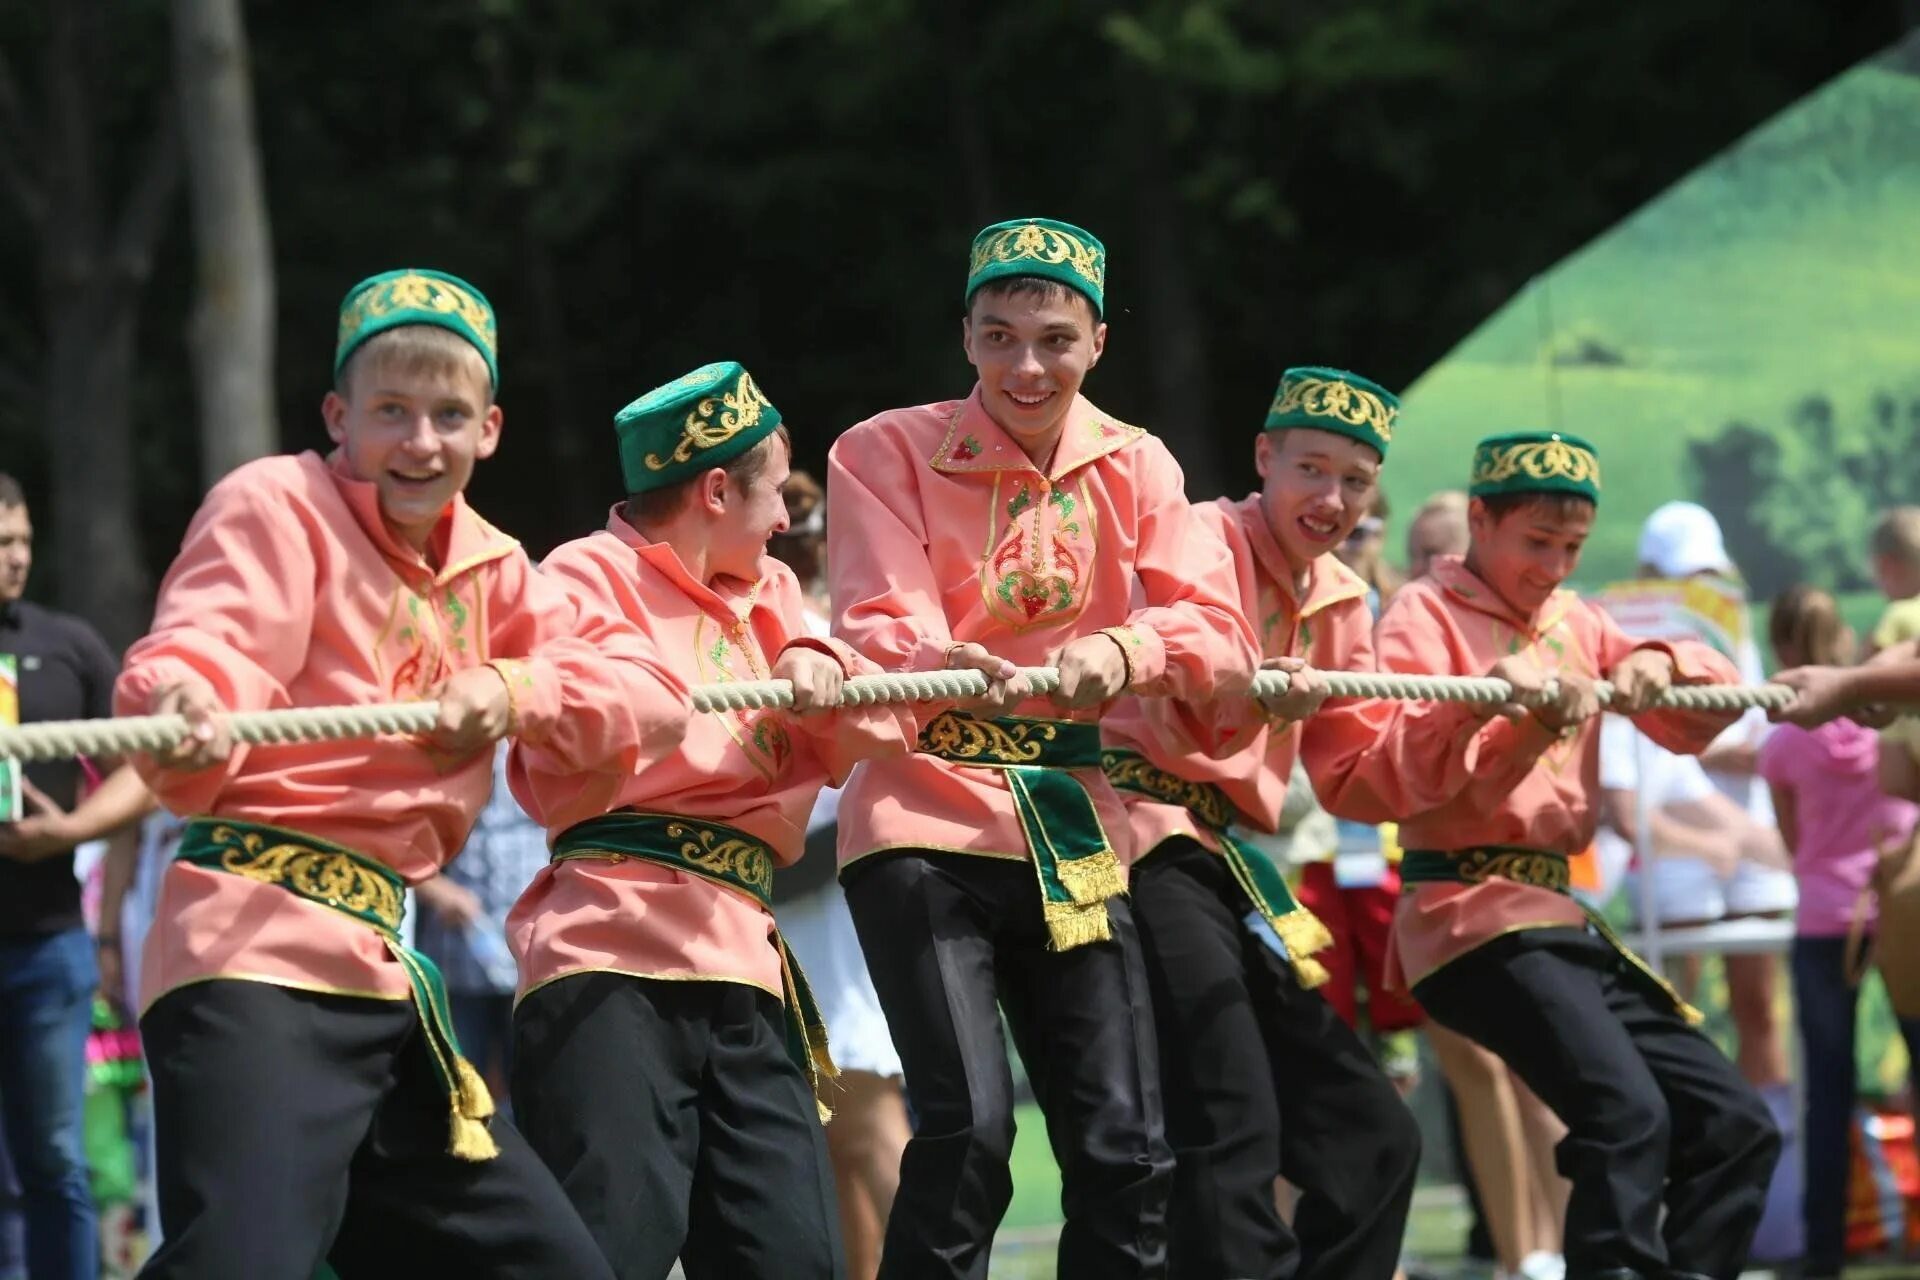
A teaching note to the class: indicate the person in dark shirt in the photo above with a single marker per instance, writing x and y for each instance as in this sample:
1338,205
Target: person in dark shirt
48,970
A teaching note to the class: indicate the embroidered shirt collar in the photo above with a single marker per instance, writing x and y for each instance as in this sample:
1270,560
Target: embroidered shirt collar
975,442
464,540
1328,581
1466,586
726,597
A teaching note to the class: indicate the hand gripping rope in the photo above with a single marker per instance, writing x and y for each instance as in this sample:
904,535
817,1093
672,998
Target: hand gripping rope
58,740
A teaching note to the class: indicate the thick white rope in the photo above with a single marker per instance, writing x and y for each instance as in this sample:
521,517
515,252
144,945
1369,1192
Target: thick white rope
60,740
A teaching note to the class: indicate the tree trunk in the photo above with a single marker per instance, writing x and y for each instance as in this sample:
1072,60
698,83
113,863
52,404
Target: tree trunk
581,481
1177,369
97,562
93,267
966,108
231,334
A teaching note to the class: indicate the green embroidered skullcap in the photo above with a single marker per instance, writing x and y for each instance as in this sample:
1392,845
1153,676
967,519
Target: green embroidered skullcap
1040,247
417,296
704,419
1535,462
1337,401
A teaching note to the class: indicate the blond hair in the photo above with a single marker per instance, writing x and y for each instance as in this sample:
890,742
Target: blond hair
1805,625
416,350
1448,502
1896,536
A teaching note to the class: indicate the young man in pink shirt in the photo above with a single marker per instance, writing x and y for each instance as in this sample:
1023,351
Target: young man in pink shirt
669,1061
1019,526
310,1097
1668,1149
1263,1078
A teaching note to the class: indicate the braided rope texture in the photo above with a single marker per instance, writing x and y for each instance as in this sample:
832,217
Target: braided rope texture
64,739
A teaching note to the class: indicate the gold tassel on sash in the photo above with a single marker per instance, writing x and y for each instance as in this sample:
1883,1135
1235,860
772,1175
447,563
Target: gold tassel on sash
1075,924
472,1107
1304,934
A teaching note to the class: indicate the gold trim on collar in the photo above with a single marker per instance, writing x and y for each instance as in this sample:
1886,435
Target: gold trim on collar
959,453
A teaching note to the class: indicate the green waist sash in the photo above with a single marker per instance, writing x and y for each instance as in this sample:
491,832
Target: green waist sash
358,887
726,856
1543,869
1076,865
1299,928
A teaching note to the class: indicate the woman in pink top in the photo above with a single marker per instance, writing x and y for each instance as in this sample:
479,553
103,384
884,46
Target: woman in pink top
1835,820
310,1096
668,1056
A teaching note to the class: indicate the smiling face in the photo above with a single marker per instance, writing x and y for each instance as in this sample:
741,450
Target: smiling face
411,418
1524,551
1315,488
1032,345
751,509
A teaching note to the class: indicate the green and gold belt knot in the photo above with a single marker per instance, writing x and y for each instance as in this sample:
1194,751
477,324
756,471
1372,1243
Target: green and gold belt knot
374,894
1299,928
732,858
1076,865
1541,868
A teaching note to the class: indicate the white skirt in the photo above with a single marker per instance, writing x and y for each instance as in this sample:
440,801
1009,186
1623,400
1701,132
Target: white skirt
819,930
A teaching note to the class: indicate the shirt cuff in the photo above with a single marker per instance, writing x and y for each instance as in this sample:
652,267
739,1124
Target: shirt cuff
1142,649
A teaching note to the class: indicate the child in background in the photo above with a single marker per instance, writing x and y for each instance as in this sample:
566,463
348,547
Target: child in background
1894,548
1834,819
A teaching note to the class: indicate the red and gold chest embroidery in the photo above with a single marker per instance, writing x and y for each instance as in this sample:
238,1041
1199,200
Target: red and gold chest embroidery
728,652
1040,549
429,634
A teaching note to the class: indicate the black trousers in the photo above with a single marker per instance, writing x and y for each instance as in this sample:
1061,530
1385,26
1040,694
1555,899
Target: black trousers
678,1126
1264,1079
289,1122
948,936
1656,1116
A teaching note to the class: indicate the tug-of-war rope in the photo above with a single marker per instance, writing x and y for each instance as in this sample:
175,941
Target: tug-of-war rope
59,740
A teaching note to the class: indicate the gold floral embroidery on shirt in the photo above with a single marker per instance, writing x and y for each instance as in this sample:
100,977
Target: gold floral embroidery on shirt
732,654
428,635
1039,552
1554,648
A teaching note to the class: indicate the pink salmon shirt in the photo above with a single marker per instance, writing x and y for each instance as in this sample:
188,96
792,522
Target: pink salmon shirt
943,532
1454,781
1232,743
290,591
759,771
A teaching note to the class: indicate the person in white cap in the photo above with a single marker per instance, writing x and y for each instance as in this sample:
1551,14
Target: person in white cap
1683,540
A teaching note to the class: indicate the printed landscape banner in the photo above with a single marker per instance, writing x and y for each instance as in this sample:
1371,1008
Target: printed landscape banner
1750,339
